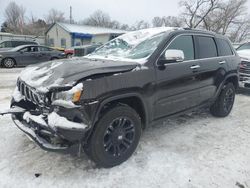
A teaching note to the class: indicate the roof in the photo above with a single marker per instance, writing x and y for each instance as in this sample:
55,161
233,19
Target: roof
85,29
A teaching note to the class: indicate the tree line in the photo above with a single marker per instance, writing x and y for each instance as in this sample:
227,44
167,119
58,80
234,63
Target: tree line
227,17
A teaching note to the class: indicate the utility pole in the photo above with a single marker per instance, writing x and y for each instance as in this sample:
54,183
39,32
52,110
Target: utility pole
70,17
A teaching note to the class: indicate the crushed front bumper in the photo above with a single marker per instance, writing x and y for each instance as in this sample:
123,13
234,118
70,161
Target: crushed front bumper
52,137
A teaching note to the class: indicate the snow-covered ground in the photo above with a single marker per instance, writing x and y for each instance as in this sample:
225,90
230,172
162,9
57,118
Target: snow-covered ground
192,151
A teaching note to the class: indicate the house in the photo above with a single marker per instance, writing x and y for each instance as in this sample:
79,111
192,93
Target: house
66,35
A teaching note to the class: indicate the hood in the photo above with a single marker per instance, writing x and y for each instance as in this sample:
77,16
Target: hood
244,54
62,73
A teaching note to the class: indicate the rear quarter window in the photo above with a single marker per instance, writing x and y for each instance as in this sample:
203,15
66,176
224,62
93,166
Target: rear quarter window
206,47
224,48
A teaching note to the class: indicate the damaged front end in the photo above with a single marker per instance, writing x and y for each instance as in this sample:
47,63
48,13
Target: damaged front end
52,123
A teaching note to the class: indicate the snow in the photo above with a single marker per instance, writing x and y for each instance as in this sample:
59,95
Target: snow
245,54
17,95
192,151
35,76
55,120
38,119
136,37
78,87
84,29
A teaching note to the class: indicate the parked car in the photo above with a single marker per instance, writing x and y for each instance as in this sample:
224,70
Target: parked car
244,70
85,50
69,52
243,46
103,101
9,44
28,54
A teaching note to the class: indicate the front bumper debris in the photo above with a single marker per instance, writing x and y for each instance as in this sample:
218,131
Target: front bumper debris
48,135
15,110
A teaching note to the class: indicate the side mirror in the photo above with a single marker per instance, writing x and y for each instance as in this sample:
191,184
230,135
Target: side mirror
172,56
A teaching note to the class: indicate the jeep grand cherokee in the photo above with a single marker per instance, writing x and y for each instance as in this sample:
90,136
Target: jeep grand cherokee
102,102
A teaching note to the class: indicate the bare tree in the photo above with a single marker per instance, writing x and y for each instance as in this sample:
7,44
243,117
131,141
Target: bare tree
55,16
169,21
157,21
228,15
195,11
98,18
140,25
14,15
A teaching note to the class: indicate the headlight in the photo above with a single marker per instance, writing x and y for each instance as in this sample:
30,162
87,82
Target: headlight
1,56
73,94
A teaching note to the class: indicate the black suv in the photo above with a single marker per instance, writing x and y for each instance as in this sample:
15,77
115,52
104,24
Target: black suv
102,102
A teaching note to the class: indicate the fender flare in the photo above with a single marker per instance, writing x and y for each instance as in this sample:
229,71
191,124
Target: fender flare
117,97
224,81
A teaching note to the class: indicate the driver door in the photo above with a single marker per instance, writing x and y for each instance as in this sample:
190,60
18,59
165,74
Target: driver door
24,56
177,82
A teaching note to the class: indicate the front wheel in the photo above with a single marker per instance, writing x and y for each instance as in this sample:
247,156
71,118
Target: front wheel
224,103
115,137
8,63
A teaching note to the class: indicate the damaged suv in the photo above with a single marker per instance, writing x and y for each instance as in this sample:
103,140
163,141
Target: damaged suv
102,102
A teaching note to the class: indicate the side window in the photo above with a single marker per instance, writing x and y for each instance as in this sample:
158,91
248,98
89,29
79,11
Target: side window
224,48
206,47
8,44
184,43
44,49
26,49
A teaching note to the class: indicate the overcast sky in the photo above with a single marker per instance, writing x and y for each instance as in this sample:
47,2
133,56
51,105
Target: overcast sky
125,11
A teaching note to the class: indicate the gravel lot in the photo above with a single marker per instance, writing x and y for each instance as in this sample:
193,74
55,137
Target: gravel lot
192,151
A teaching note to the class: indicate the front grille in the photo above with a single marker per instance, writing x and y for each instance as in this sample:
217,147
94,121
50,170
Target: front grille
245,67
30,94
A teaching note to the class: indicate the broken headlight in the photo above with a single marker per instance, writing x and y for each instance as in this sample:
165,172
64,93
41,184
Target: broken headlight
73,95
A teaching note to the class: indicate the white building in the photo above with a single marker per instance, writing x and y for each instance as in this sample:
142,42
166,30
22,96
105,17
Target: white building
67,35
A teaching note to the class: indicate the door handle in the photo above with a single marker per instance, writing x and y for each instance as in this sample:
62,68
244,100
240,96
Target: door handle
195,67
222,62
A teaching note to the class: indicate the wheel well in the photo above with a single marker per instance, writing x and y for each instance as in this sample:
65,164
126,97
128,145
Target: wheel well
133,102
234,80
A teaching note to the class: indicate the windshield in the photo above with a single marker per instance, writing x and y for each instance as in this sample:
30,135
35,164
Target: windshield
134,45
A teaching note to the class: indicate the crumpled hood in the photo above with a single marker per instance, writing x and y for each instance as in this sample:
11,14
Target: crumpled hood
67,72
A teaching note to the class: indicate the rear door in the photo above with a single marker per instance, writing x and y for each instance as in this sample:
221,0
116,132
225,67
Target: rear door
24,56
45,54
212,66
177,86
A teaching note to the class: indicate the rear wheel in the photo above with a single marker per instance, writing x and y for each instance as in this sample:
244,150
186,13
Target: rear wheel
69,56
115,137
8,63
224,103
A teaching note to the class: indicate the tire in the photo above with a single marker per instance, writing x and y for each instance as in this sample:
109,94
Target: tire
224,103
9,63
115,137
68,56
